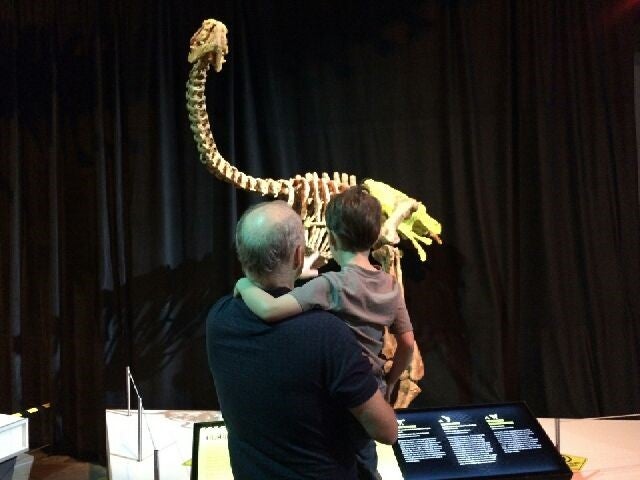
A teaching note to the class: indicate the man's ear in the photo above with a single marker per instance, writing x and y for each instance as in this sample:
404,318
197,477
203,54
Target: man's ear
298,257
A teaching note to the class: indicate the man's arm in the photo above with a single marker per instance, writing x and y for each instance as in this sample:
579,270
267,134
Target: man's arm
264,305
401,360
378,419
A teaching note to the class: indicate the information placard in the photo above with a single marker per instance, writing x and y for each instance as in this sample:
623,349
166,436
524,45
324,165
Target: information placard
210,455
475,442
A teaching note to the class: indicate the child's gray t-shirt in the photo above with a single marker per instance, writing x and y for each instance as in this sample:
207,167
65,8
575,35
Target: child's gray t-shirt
367,300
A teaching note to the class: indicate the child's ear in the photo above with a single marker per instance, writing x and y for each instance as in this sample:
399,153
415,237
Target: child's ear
332,239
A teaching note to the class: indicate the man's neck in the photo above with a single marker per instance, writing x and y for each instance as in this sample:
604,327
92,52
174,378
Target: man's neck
274,281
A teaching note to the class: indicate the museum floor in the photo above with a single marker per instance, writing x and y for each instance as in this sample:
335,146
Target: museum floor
60,467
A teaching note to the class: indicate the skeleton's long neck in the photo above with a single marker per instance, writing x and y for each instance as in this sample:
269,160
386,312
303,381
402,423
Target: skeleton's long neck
209,154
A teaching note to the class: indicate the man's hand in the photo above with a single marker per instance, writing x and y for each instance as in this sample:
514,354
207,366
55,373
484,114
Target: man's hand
311,265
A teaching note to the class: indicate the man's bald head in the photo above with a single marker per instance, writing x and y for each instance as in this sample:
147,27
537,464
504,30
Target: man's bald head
267,236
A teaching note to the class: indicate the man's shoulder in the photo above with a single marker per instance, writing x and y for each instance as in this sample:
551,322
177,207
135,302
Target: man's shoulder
221,304
319,330
316,317
225,307
315,323
311,320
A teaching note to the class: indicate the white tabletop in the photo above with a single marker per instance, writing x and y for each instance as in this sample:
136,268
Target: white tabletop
611,447
14,436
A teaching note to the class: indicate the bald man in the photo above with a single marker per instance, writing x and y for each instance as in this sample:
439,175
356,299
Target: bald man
289,392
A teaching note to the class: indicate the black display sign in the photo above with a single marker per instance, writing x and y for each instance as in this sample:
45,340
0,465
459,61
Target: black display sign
475,442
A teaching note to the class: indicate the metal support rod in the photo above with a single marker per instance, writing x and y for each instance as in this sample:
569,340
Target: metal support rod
139,428
128,392
156,465
557,424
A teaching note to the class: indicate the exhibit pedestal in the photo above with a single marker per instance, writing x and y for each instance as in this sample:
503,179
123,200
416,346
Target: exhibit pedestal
611,447
172,432
168,431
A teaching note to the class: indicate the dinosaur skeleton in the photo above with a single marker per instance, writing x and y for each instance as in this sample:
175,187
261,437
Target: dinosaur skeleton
309,194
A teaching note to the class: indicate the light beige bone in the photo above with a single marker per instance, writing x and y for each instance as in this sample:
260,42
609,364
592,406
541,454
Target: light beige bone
308,194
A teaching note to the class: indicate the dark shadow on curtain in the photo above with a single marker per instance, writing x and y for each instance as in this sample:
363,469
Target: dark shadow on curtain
166,346
432,292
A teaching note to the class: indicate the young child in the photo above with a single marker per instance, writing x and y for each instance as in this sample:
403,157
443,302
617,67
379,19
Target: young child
364,296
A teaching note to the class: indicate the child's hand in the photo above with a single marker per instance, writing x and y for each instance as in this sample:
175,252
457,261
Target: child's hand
311,265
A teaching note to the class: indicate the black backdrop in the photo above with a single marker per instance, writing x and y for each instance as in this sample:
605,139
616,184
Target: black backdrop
512,121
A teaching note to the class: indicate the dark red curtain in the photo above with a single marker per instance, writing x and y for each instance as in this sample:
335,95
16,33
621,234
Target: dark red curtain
512,121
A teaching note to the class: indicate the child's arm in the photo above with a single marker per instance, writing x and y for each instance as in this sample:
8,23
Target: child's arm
401,360
268,308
